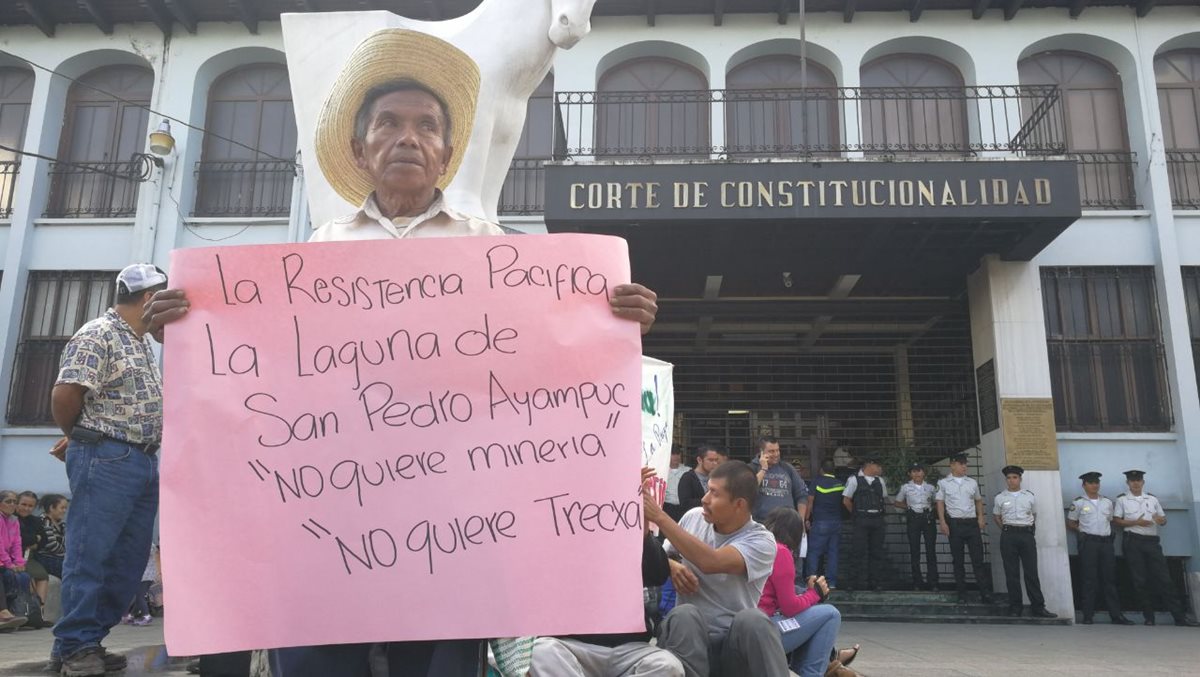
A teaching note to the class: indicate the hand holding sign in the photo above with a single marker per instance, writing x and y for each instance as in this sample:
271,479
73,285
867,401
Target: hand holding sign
411,420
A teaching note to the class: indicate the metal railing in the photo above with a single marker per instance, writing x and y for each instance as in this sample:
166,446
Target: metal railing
8,183
874,120
1106,180
244,188
94,189
1183,171
34,371
524,188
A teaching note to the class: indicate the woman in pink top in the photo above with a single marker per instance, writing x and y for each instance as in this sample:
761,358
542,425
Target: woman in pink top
13,579
807,628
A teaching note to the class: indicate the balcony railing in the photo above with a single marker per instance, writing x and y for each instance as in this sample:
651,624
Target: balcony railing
244,188
94,189
1183,170
34,371
1000,119
8,182
524,188
1106,180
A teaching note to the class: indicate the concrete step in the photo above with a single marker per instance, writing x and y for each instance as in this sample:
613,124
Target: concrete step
920,608
958,620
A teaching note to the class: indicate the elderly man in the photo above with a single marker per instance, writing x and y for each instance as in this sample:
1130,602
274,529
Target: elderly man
108,401
387,139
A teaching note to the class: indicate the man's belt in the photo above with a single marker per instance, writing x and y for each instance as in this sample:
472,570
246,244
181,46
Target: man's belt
920,513
1093,537
1018,528
869,513
965,520
1140,537
89,436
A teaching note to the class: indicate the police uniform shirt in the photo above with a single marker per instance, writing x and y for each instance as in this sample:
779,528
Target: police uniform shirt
918,497
1144,507
959,494
1093,516
1016,509
852,484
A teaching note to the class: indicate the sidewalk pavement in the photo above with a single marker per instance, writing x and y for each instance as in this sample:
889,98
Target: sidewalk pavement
888,650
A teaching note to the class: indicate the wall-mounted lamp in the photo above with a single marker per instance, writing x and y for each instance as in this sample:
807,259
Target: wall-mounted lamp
161,141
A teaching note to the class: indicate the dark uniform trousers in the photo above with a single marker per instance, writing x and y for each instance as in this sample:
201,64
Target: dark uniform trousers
964,533
1018,551
1148,568
867,553
922,525
1098,564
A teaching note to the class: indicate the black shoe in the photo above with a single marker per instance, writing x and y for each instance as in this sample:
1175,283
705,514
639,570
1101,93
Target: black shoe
985,598
1087,620
112,662
1149,621
1121,620
1015,611
1042,613
1186,622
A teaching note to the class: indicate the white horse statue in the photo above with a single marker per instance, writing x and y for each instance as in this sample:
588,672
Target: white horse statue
514,43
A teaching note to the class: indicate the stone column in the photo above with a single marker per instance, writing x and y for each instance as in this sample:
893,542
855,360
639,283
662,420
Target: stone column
1007,327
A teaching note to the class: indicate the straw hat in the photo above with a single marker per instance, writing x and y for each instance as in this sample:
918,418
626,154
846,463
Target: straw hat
384,56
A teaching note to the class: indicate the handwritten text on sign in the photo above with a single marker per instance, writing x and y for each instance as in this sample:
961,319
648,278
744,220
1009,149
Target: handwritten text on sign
425,439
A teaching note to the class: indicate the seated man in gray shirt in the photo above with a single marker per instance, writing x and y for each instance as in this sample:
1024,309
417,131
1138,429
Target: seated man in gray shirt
717,628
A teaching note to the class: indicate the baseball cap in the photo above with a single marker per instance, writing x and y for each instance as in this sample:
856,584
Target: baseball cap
138,276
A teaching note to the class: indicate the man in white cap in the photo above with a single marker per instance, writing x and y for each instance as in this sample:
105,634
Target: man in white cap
387,140
108,402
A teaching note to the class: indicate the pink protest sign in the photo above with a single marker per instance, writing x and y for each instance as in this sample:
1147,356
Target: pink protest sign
400,440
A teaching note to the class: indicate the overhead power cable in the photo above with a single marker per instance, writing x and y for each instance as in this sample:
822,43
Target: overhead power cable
80,165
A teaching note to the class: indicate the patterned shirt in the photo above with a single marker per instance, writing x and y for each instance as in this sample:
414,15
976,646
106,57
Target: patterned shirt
369,224
124,387
1094,516
1144,507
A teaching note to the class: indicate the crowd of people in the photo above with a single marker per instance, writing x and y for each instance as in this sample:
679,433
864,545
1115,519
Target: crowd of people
954,506
31,551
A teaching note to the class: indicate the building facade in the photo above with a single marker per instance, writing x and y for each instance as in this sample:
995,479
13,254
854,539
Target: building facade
899,228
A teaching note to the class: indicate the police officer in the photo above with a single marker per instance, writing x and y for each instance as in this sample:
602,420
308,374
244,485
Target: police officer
825,524
1015,511
1091,516
915,498
961,517
1141,514
864,498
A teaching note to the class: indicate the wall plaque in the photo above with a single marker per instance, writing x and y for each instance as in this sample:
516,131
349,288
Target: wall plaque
1029,435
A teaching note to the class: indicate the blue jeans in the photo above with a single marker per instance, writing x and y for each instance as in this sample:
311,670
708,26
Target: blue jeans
813,641
114,498
448,658
824,539
14,584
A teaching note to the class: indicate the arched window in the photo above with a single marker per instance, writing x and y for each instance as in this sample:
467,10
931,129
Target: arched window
1095,123
106,124
524,186
652,106
251,105
16,91
913,103
774,105
1178,76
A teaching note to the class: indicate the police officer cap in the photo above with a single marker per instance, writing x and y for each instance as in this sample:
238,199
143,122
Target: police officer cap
958,458
1090,476
1013,470
916,466
1134,474
871,460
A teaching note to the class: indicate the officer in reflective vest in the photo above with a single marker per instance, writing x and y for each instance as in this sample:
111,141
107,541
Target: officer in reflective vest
825,524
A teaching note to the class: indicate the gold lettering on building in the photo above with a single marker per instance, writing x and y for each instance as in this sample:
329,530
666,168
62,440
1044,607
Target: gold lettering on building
788,194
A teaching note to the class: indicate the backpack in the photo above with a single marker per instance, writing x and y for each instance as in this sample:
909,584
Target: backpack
20,598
